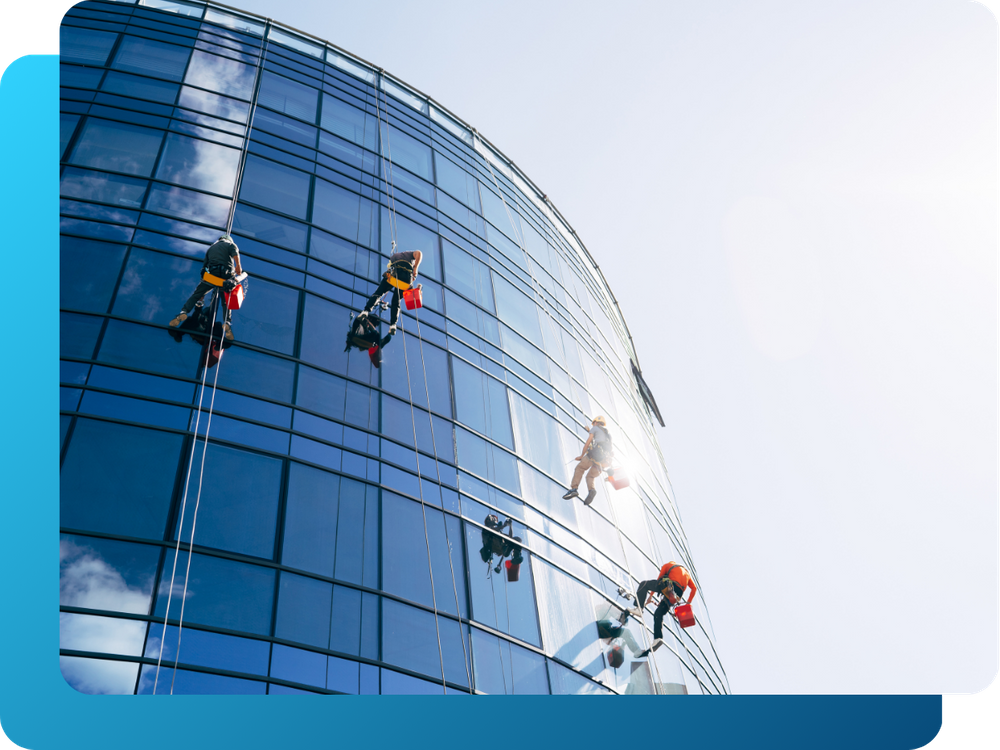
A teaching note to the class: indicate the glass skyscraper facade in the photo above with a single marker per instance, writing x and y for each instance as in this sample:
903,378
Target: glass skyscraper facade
340,507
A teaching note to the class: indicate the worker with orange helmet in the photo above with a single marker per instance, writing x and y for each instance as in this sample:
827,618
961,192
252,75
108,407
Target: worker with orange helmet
671,583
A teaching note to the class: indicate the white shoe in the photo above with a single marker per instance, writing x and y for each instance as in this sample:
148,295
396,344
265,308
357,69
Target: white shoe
392,329
656,644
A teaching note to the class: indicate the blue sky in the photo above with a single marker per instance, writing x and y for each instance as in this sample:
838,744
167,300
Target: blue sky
796,207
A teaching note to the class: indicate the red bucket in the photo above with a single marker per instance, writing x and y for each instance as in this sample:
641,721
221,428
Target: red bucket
375,355
234,299
512,571
684,615
618,478
413,298
616,656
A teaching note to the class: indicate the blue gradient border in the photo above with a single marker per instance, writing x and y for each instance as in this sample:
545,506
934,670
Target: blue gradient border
39,710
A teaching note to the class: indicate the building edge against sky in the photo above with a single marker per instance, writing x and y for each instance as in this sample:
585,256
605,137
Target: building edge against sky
342,508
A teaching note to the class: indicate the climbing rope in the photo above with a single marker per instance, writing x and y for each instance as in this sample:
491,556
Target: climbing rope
217,294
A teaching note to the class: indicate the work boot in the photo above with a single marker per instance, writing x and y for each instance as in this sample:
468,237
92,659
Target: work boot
392,329
181,317
657,642
228,332
590,497
571,494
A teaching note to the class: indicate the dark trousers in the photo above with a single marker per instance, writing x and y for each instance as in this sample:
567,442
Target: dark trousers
200,291
640,596
384,287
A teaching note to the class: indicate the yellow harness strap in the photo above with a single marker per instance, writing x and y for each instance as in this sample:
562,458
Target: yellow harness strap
213,280
393,281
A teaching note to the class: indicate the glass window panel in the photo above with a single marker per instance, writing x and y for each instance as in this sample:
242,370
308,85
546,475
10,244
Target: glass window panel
187,204
69,398
285,127
106,574
99,676
356,512
507,607
573,636
155,285
421,359
348,122
117,146
139,86
109,635
268,318
92,211
345,213
342,675
67,124
345,627
469,276
134,410
252,408
214,104
457,182
481,402
78,335
73,372
567,682
541,440
240,23
304,611
288,96
146,348
103,187
310,531
187,682
275,186
508,247
410,153
173,6
396,683
220,75
296,665
321,392
237,513
295,42
339,252
324,326
352,67
95,229
404,550
257,373
498,214
153,58
225,594
271,228
486,460
118,479
410,640
317,453
88,272
77,77
88,46
497,675
516,309
199,164
206,649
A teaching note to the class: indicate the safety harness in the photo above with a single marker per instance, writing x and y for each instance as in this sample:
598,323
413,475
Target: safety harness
400,274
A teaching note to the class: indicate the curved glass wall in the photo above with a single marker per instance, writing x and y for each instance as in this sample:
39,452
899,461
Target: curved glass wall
341,512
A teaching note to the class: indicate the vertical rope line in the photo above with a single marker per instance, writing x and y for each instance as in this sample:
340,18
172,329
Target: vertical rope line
503,674
180,526
261,59
201,476
387,171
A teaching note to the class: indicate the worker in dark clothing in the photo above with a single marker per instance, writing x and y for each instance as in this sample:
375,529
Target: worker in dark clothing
496,543
222,262
595,456
399,277
671,583
364,334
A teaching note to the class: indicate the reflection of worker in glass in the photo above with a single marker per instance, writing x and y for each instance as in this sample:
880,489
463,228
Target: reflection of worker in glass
671,583
596,455
609,630
496,543
400,276
222,260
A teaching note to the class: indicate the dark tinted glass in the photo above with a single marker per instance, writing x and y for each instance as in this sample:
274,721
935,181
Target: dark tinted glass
296,665
270,228
118,479
140,86
268,317
153,58
349,122
501,667
103,187
272,185
416,362
304,611
324,330
196,683
199,164
78,334
345,213
85,45
88,271
106,574
155,285
257,373
206,649
311,511
117,146
67,124
288,96
410,640
222,593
